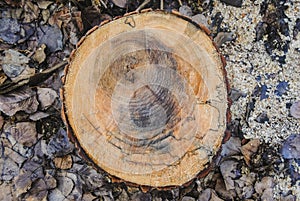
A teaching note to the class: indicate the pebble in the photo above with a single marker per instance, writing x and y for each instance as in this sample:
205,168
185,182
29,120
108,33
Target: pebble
295,110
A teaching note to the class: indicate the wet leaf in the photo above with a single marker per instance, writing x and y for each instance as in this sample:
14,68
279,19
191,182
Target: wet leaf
22,100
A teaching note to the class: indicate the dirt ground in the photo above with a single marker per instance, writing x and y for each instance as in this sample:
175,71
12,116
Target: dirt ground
261,43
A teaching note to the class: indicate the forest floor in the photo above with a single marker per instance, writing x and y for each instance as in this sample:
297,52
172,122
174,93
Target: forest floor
261,44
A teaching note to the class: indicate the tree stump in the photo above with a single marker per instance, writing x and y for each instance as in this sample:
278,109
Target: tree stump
146,98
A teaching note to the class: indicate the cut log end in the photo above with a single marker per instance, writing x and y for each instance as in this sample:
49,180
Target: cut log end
146,98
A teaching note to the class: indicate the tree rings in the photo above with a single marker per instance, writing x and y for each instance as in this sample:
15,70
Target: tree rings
146,98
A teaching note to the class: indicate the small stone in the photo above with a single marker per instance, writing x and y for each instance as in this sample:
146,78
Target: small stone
295,110
64,162
9,169
6,192
15,65
291,147
186,10
205,195
56,195
282,88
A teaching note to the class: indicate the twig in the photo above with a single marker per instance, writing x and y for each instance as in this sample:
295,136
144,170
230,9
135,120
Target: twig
142,5
161,4
180,2
31,81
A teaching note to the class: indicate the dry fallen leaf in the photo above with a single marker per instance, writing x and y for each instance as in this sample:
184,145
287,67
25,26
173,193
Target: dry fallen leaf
23,132
39,55
249,149
46,97
22,100
15,65
64,162
120,3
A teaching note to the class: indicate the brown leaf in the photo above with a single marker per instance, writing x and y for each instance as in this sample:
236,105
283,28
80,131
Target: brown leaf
64,162
22,100
249,149
24,132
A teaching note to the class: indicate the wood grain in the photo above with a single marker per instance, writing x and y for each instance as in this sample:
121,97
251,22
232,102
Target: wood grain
146,98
